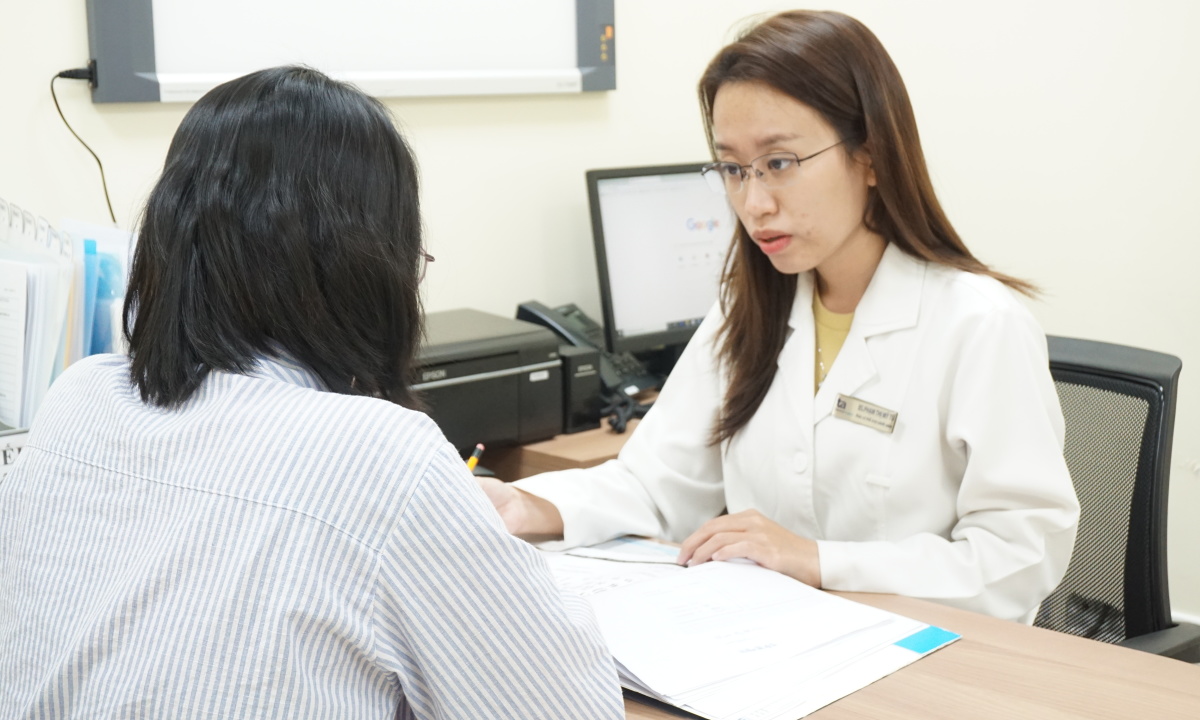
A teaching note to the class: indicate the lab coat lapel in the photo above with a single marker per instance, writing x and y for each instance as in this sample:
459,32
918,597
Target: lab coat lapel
852,369
892,302
798,357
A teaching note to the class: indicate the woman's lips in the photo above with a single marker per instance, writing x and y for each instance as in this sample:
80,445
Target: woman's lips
771,244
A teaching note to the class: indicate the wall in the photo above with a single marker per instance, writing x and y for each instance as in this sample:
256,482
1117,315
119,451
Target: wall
1060,136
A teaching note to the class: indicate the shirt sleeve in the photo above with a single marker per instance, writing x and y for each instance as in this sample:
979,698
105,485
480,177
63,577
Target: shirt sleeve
1016,505
470,620
667,480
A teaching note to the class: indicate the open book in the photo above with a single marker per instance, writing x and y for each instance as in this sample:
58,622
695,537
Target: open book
731,640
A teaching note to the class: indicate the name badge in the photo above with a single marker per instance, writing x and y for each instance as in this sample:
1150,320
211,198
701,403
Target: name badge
864,413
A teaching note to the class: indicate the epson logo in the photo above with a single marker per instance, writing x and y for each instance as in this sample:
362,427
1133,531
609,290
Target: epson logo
428,375
8,456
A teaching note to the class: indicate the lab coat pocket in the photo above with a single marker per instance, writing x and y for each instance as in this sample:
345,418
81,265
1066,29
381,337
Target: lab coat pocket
876,498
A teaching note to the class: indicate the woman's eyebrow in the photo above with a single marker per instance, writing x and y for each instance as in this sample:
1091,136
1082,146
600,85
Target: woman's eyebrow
778,138
762,142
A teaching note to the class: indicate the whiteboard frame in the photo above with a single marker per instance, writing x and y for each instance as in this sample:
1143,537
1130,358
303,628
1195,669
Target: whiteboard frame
121,42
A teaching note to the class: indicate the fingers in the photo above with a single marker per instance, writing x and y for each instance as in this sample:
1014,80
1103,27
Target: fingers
753,536
693,541
723,546
740,549
738,522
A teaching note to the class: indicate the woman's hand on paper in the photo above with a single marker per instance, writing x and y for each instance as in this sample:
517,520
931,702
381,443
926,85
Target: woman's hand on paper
523,514
750,534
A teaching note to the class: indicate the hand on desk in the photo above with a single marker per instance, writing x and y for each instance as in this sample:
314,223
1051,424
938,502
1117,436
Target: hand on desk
524,515
750,534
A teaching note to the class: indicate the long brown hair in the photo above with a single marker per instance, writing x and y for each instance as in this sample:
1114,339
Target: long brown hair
835,65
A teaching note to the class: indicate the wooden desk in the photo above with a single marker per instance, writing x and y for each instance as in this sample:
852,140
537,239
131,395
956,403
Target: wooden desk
1002,669
999,669
578,450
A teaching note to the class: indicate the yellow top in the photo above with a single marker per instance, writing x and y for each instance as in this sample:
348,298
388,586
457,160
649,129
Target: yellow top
831,330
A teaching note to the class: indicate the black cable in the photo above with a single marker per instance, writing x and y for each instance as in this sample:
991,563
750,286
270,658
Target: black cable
620,409
82,75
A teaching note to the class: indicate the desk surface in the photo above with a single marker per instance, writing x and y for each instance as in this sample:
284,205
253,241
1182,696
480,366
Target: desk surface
578,450
1001,669
998,669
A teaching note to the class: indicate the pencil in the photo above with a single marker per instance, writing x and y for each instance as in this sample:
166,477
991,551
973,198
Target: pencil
474,459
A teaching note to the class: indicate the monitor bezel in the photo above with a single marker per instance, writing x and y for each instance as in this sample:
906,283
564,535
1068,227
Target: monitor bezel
648,341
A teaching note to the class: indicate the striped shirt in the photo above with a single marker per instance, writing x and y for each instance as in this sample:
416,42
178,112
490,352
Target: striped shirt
271,550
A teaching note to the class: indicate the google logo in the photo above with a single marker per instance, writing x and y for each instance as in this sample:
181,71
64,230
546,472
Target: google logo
709,224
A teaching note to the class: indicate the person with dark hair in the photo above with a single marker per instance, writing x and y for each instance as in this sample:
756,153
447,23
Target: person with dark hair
868,407
247,517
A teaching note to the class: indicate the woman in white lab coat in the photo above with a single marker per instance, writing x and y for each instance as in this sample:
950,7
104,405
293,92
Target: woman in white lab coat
869,403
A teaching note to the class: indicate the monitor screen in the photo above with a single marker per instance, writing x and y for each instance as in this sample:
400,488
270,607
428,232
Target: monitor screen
661,236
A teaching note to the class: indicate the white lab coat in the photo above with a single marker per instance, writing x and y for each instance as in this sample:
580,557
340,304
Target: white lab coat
967,502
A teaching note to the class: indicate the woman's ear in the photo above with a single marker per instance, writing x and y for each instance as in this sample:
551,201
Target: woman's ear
863,155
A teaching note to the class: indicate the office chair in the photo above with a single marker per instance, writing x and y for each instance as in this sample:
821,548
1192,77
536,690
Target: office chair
1119,407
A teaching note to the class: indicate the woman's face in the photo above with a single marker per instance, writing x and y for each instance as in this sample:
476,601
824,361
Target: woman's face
817,221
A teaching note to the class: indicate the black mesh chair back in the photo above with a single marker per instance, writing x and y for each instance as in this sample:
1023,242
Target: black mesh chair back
1119,407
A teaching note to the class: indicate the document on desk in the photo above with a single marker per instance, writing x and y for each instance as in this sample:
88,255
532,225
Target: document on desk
630,549
734,641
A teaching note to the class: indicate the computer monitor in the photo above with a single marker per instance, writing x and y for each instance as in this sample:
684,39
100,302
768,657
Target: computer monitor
661,236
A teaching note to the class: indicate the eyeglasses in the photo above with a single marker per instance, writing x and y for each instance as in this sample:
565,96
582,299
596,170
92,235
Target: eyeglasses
773,170
426,258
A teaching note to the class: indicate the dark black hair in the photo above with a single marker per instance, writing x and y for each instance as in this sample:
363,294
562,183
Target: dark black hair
286,220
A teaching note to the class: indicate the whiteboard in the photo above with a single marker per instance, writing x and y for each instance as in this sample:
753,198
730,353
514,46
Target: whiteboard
169,51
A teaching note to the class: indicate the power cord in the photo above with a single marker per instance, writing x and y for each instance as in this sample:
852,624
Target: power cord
622,408
88,73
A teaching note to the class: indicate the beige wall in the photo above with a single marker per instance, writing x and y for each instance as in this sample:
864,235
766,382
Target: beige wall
1061,136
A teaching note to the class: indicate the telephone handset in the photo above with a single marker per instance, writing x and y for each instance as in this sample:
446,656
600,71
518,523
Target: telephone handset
618,371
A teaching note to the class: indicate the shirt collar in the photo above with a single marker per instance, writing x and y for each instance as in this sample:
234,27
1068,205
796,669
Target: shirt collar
284,368
892,299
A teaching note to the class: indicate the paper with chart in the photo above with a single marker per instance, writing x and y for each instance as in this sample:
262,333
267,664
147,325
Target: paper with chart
734,641
630,549
586,576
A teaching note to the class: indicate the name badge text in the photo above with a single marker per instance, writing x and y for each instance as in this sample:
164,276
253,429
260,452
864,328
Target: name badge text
862,412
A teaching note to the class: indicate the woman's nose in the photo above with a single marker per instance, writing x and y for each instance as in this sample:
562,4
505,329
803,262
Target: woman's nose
757,198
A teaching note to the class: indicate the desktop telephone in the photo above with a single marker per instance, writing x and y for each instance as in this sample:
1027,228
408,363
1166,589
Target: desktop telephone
618,371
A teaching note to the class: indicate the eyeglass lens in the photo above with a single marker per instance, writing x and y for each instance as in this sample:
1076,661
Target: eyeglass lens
774,170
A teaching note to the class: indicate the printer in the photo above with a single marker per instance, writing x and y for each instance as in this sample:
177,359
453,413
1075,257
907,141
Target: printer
490,379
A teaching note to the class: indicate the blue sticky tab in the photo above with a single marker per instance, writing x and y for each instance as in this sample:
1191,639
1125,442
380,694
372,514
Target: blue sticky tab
927,640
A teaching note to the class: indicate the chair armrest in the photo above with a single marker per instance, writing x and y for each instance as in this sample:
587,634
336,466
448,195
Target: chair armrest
1181,642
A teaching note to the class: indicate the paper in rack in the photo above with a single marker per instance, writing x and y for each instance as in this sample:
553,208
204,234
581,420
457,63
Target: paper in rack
12,341
37,274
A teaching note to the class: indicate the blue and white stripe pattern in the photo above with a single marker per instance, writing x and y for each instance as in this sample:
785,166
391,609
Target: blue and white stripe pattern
271,550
